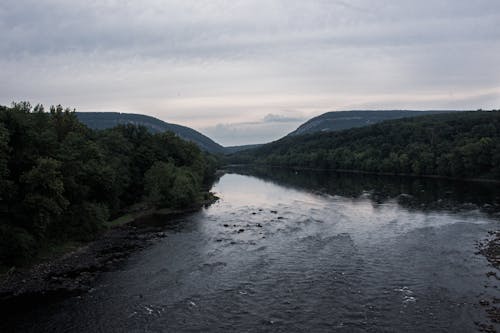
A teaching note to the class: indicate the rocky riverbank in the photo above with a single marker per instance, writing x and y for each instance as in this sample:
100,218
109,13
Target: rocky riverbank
75,272
490,248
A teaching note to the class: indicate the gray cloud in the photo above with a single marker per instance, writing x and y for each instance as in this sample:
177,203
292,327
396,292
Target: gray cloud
279,118
248,133
269,128
218,28
203,63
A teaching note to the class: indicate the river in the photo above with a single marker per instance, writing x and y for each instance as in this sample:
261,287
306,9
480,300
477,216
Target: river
295,251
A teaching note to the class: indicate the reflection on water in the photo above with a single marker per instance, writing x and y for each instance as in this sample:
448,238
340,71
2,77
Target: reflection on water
292,252
415,193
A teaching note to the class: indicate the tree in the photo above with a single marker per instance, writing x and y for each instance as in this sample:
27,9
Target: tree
44,200
158,181
185,188
169,186
4,159
61,180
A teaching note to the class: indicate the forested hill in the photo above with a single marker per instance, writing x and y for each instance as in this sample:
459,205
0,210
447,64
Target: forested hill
235,149
340,120
60,180
102,120
459,145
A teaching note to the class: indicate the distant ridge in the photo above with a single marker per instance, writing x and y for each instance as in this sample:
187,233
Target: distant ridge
235,149
340,120
102,120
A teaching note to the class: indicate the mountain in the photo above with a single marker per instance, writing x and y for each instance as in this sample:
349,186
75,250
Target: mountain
235,149
457,144
340,120
101,120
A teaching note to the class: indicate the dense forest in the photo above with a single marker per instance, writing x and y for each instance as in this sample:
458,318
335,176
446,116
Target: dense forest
61,180
341,120
458,145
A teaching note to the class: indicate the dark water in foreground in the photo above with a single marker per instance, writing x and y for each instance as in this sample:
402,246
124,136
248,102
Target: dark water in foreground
276,255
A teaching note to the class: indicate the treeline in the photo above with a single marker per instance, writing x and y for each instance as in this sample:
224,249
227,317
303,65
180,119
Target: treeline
459,145
61,180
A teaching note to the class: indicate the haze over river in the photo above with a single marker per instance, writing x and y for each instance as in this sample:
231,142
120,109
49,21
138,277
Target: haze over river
302,251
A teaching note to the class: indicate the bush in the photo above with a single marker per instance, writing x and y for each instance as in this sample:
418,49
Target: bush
16,245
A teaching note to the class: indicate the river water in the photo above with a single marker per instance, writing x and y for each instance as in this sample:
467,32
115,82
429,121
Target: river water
302,251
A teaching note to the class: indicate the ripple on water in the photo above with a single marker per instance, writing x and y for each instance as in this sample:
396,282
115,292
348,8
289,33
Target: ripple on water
332,263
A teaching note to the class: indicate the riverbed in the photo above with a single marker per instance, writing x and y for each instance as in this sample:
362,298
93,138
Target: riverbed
301,251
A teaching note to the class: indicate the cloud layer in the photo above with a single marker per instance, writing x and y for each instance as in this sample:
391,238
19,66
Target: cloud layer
242,67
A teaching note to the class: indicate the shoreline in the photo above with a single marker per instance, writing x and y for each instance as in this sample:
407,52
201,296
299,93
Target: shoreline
74,272
354,171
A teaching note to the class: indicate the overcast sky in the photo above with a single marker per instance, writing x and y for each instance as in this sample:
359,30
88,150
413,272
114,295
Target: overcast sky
250,71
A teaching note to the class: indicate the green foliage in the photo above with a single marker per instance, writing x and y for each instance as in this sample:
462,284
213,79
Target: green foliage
168,186
184,188
85,220
4,159
342,120
44,201
158,182
16,244
60,180
459,145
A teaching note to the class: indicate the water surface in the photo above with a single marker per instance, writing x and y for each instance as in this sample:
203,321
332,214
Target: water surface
298,251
